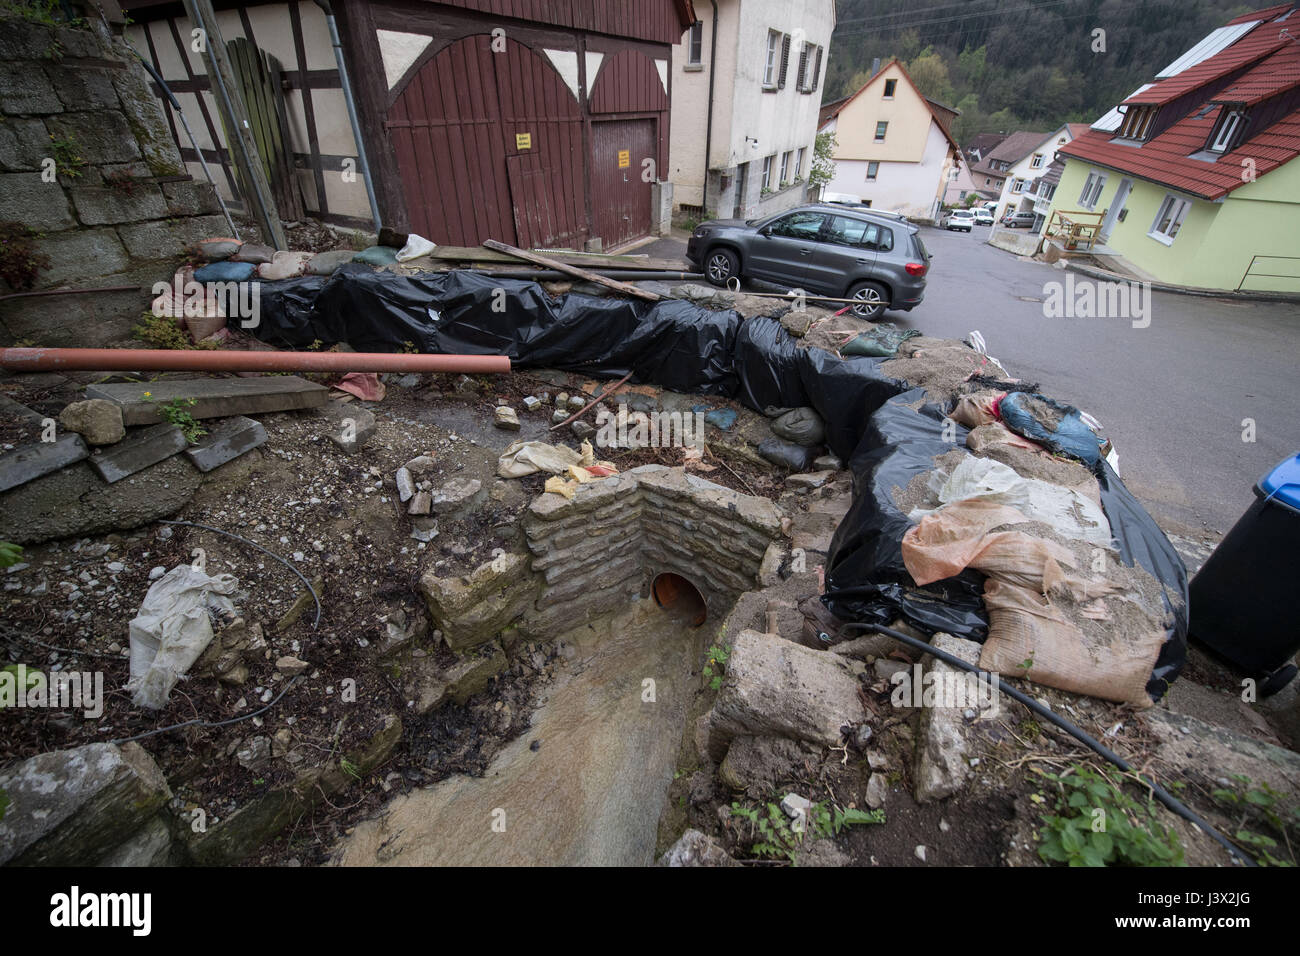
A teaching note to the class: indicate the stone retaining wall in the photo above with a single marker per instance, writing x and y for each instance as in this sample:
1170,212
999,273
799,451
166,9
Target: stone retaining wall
87,162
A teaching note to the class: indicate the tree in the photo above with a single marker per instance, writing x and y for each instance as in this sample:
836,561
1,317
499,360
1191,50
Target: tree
823,165
930,74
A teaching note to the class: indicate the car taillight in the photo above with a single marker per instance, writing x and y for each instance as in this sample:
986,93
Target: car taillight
917,268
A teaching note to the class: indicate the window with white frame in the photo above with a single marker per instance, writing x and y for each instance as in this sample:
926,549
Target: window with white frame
872,169
798,162
767,172
1017,185
773,62
881,128
1037,161
695,44
785,166
1170,218
1226,133
1092,188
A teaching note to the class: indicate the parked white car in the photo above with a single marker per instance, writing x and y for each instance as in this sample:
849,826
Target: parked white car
962,219
983,216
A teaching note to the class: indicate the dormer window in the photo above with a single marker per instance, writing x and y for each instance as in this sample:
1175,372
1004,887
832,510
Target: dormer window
1137,122
1228,130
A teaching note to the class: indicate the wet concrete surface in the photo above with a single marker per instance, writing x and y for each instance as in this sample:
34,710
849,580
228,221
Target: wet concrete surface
592,791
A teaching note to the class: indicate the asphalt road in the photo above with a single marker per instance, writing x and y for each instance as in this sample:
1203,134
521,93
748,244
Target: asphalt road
1172,396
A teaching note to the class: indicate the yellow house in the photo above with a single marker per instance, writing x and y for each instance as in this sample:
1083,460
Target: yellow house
893,147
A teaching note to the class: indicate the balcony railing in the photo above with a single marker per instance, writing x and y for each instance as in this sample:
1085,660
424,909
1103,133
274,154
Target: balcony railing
1076,228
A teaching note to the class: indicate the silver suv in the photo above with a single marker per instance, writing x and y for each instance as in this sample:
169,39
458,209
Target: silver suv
825,249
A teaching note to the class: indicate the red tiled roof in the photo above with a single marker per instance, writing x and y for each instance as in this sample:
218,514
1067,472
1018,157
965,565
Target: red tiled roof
1167,158
1260,42
1266,14
1277,74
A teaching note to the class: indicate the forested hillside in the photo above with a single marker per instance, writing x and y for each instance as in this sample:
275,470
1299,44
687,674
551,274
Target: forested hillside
1020,64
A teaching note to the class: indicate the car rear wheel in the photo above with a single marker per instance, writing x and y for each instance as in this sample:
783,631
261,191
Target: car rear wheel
721,265
873,298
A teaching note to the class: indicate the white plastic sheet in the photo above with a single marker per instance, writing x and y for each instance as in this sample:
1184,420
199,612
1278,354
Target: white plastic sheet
1068,512
172,629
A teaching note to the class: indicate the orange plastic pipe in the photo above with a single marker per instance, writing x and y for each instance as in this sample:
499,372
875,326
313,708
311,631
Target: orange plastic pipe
202,360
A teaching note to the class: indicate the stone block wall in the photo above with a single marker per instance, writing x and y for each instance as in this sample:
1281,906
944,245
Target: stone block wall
88,163
592,554
615,536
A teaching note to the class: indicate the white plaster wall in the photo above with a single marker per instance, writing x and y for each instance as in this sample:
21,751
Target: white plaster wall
907,188
782,120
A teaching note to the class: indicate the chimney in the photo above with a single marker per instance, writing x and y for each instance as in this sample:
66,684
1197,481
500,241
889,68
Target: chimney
875,66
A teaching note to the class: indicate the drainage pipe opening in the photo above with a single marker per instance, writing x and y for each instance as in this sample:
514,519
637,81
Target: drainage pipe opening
680,597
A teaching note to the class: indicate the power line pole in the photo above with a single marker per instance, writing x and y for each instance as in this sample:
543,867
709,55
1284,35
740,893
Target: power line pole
260,201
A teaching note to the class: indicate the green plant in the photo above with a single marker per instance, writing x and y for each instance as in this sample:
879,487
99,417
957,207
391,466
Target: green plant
176,412
67,156
1260,805
163,332
822,170
10,554
349,768
1095,823
19,260
716,665
779,837
47,12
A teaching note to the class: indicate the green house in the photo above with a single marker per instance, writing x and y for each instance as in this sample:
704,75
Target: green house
1193,179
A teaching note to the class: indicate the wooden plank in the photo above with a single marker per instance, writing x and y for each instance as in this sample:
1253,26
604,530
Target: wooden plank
594,260
214,397
549,263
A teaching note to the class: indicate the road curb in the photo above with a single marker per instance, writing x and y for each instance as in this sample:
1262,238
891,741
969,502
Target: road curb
1098,273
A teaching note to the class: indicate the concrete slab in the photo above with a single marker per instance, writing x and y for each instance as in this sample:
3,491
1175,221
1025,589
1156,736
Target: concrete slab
214,397
137,451
36,460
226,442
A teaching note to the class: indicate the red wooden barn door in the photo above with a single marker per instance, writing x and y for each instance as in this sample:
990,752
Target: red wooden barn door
488,146
620,195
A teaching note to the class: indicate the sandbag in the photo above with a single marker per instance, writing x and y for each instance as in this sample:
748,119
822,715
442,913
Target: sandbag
802,426
376,256
786,454
224,271
1026,628
1068,512
1060,427
881,342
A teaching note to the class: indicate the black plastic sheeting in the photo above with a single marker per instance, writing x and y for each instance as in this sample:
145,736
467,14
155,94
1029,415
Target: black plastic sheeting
885,431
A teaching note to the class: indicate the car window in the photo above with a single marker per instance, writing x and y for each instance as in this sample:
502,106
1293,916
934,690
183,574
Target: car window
798,225
859,234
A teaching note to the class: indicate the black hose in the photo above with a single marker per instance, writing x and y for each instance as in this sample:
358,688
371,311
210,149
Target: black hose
1168,799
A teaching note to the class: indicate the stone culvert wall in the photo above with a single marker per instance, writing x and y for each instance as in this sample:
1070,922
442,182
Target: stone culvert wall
88,164
609,542
592,554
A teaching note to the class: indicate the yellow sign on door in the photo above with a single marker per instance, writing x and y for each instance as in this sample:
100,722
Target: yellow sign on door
624,158
523,140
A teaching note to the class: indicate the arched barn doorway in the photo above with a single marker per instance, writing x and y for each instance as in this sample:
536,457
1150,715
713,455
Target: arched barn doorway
489,146
675,594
